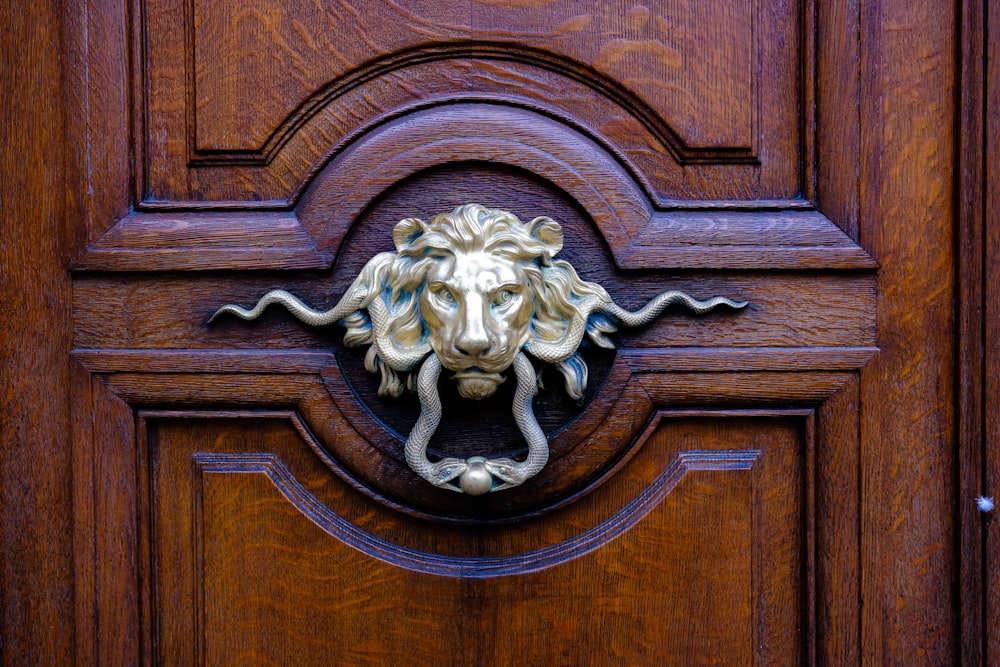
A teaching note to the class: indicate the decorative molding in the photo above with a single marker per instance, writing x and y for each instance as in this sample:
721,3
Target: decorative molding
396,64
829,433
102,129
737,359
712,235
471,291
478,568
403,76
687,359
367,454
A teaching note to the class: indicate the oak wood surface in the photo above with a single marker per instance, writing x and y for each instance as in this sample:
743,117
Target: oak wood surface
36,528
974,197
321,600
787,484
907,158
990,180
665,65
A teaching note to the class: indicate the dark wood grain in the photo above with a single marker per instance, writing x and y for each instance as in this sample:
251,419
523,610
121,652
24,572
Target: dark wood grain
36,528
991,334
837,142
477,138
685,64
907,204
789,484
837,526
684,72
974,197
171,312
307,586
367,451
98,116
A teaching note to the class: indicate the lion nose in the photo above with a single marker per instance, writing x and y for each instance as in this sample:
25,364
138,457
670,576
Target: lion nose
473,348
474,340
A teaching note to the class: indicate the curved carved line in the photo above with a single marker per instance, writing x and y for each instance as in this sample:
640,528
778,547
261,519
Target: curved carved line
477,568
370,127
579,72
445,130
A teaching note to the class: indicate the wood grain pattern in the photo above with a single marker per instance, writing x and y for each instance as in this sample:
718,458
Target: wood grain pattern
991,334
836,529
36,528
482,141
98,117
700,71
382,522
834,163
790,310
221,467
974,197
362,441
317,587
678,58
908,441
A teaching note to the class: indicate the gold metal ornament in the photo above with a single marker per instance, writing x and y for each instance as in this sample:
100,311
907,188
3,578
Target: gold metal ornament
475,292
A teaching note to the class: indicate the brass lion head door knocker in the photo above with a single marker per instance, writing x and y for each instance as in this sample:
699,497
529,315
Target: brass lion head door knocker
475,292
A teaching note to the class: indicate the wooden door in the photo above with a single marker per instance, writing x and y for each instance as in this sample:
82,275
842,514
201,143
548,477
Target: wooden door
772,485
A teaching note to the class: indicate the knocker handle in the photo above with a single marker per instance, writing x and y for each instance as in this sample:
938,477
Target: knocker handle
476,475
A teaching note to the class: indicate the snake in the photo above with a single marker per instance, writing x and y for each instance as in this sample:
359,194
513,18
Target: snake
364,293
555,351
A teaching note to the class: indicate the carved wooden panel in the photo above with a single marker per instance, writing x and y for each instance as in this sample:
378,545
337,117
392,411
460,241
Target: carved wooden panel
324,579
271,88
699,503
161,155
659,102
254,489
675,57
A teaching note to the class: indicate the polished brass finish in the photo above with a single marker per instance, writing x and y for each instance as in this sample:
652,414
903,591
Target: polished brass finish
471,292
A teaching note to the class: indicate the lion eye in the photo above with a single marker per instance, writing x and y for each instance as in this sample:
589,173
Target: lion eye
503,296
444,294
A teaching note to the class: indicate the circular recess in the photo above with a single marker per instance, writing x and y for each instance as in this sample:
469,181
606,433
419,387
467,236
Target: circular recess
484,428
432,161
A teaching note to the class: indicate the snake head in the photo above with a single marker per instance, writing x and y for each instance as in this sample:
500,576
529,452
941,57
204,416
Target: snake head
446,470
506,470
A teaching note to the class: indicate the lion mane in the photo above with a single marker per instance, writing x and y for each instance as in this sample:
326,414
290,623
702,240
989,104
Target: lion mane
397,280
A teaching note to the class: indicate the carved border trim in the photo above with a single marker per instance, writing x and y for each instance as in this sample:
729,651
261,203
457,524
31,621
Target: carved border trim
638,234
478,568
400,60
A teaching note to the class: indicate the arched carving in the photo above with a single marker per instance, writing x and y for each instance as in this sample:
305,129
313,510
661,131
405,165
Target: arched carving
632,110
595,179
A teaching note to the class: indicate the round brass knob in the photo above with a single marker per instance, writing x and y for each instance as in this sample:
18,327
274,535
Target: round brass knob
477,480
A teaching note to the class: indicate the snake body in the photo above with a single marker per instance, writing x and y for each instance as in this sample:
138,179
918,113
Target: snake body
557,351
365,292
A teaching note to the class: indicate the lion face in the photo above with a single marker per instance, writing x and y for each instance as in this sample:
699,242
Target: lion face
474,287
477,307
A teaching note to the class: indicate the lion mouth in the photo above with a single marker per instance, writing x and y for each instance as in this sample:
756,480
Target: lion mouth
476,383
477,372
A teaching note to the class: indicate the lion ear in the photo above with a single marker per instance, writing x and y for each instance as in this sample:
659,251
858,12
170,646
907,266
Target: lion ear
548,231
407,230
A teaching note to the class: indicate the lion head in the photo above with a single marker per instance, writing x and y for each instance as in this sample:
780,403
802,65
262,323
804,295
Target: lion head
476,286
